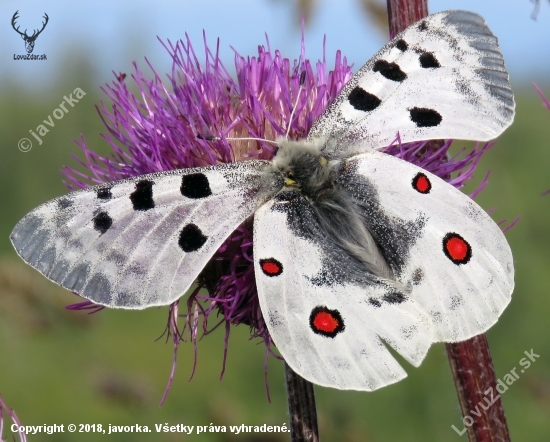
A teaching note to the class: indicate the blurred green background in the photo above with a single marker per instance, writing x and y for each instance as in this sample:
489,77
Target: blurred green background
61,367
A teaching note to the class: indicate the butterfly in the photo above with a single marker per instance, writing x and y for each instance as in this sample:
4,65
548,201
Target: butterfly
354,250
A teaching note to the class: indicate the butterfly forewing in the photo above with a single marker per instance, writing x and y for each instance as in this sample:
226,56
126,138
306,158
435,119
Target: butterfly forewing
141,242
443,77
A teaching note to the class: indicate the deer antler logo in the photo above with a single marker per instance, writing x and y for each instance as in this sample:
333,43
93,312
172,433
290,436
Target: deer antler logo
29,39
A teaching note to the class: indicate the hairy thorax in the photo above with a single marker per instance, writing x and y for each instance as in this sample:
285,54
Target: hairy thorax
304,169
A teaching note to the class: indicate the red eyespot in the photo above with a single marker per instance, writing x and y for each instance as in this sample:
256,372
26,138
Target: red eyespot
326,322
457,248
421,183
271,267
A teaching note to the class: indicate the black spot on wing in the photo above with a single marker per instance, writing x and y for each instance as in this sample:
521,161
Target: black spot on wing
428,60
423,26
394,298
104,193
424,117
401,45
191,238
362,100
375,302
102,222
142,197
391,71
195,186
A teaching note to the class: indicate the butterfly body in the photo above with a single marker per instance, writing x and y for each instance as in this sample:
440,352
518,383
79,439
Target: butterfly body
315,180
354,250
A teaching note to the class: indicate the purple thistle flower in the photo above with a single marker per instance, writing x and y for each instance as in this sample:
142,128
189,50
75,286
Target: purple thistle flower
157,129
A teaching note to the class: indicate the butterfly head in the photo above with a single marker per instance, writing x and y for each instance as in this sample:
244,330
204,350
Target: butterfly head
303,167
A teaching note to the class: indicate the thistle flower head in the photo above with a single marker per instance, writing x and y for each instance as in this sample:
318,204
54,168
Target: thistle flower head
170,125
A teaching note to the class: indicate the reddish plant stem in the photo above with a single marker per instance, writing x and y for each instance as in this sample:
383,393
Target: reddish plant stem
403,13
301,408
475,383
470,361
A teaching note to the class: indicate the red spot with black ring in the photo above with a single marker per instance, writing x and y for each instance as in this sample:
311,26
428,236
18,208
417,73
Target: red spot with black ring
271,267
326,322
457,248
421,183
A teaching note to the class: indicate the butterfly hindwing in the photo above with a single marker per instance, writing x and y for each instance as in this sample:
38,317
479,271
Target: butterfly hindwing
443,77
331,309
141,242
456,260
330,321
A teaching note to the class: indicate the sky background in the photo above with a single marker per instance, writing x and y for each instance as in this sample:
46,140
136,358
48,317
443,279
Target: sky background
110,35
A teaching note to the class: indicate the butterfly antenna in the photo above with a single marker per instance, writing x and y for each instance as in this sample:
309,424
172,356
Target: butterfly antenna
300,89
212,138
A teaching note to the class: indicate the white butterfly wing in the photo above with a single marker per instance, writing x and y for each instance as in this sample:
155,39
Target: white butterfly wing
329,324
443,77
141,242
439,241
